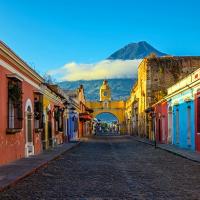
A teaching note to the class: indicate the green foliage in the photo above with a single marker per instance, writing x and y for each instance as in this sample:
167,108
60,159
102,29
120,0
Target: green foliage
49,79
15,93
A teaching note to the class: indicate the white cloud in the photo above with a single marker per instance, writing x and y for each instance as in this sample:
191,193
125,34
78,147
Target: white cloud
100,70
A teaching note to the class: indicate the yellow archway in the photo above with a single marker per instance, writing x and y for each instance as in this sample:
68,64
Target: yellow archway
117,108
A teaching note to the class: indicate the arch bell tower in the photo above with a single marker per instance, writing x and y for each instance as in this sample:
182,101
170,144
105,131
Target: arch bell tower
105,92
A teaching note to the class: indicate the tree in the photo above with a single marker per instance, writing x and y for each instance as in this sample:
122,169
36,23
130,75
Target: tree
48,79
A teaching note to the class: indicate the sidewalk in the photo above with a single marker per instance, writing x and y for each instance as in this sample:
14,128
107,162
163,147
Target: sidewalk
11,173
185,153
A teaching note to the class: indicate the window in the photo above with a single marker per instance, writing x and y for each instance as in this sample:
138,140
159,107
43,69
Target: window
75,119
14,104
105,93
105,104
136,114
60,120
38,111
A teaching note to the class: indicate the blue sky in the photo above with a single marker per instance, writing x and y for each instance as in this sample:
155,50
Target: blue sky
47,34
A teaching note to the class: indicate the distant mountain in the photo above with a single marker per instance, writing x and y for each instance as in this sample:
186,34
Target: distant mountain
120,88
135,51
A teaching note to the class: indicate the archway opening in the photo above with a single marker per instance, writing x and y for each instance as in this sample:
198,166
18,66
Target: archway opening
29,125
106,123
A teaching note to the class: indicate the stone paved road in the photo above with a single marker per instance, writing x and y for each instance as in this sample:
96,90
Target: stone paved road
112,168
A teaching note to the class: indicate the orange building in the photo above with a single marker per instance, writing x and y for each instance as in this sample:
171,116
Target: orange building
84,119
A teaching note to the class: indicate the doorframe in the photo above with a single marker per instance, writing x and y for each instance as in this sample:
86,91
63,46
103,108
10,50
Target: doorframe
29,146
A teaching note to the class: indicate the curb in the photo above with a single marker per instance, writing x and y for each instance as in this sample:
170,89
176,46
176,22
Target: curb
167,150
178,154
34,170
145,142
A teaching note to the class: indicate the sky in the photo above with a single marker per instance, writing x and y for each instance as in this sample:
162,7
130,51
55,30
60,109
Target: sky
57,36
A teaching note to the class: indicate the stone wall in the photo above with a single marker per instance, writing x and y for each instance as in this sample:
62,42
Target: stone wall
164,72
155,75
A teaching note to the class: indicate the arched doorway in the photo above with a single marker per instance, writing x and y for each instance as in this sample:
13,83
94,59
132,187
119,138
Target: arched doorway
29,147
107,123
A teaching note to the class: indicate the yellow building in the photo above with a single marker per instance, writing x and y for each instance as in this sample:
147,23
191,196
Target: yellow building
131,111
50,136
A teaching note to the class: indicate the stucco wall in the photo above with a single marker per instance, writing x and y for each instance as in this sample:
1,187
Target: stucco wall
12,146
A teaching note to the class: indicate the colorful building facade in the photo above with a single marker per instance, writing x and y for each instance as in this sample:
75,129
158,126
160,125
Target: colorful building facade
183,101
79,118
176,116
36,115
20,135
155,75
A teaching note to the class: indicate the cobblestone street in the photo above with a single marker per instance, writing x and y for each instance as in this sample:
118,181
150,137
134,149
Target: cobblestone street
112,168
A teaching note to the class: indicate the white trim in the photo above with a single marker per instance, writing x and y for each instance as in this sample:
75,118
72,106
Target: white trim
12,55
13,70
49,107
190,86
43,89
14,76
29,147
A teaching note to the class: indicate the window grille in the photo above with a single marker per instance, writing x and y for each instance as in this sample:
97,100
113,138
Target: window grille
14,103
38,111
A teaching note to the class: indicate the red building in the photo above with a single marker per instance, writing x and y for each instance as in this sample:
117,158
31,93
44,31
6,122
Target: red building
20,98
160,121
